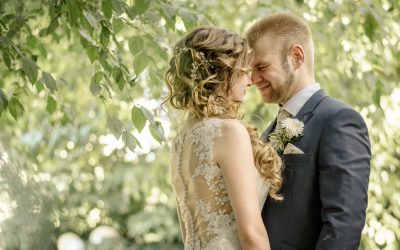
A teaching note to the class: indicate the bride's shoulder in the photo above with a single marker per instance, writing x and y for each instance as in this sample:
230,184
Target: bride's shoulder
233,128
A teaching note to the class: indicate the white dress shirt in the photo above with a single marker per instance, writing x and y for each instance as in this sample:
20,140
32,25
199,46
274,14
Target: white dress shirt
297,101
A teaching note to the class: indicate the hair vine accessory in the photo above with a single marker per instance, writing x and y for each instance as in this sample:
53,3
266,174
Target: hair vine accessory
216,107
199,61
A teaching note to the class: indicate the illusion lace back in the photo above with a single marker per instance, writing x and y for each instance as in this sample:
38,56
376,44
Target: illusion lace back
205,214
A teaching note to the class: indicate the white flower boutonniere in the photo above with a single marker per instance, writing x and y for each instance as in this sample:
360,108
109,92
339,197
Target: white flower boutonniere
290,131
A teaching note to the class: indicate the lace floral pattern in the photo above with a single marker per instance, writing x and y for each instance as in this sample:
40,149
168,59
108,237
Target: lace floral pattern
205,214
214,216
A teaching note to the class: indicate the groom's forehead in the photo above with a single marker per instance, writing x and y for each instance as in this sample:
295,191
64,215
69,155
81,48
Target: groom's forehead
263,56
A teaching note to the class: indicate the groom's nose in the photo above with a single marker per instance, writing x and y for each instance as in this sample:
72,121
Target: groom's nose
254,77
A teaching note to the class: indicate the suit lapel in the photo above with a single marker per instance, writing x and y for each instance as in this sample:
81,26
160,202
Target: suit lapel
306,112
268,131
304,115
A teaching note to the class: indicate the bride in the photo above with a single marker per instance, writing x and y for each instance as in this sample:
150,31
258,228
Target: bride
221,171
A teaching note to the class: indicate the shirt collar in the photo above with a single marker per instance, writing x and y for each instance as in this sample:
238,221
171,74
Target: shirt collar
297,101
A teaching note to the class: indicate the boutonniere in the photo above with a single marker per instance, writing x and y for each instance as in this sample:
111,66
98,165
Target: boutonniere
291,130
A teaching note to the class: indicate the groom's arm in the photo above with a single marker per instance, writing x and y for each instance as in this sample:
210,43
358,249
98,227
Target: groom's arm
344,167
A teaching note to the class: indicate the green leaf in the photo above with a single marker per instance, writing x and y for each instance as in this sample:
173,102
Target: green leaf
107,8
92,52
129,140
118,77
131,12
39,86
157,132
68,115
98,77
51,104
141,6
107,89
7,60
115,126
136,44
95,88
3,101
149,116
105,36
52,27
118,25
138,118
86,36
140,63
189,19
30,68
103,60
74,12
91,19
15,107
49,81
168,11
370,26
132,80
118,6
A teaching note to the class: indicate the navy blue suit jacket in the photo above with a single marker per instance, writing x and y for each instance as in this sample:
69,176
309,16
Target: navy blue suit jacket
324,189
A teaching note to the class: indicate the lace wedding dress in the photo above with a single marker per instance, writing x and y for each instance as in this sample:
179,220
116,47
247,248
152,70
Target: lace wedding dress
205,214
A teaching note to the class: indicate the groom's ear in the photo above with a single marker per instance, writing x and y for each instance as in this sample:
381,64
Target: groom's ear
297,55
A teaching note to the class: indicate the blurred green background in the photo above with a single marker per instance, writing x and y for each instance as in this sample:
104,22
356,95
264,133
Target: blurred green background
82,133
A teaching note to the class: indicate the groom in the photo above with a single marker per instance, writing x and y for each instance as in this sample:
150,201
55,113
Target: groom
325,172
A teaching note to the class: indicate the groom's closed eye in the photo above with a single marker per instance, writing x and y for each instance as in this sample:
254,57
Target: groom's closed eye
261,67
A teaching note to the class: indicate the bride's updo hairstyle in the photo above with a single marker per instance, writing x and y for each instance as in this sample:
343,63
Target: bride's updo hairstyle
199,80
201,71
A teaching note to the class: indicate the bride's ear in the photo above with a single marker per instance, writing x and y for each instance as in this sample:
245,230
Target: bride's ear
297,56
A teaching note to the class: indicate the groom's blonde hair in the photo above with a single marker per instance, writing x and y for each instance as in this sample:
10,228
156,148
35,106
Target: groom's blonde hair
289,29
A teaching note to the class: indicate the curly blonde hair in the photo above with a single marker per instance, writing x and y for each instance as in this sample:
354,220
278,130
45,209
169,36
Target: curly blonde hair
199,80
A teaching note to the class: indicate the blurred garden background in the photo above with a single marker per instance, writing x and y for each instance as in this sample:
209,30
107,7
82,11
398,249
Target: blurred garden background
84,140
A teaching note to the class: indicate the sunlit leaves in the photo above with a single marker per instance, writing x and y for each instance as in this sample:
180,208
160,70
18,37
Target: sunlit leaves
117,25
115,126
118,6
7,60
138,118
87,36
140,62
157,131
149,116
105,36
95,88
136,44
30,69
15,107
3,102
74,12
49,81
118,77
106,7
51,104
168,11
189,19
141,6
169,14
129,140
92,52
91,19
370,26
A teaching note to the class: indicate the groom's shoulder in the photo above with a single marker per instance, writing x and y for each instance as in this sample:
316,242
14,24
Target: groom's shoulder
330,104
332,107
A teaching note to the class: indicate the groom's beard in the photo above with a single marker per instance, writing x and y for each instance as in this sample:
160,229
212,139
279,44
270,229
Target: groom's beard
287,87
284,90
